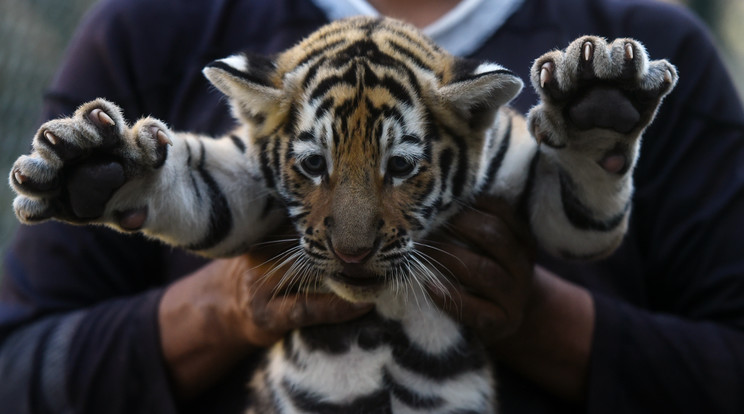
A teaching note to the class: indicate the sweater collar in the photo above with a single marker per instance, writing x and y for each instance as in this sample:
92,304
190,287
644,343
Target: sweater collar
461,31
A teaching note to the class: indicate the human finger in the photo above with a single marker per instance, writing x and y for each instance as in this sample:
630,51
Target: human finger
491,223
306,309
490,320
480,275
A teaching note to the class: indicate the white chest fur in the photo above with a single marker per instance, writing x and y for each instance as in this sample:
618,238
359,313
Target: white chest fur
405,357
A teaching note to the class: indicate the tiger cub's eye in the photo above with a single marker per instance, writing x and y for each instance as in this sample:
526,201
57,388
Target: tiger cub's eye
399,166
314,165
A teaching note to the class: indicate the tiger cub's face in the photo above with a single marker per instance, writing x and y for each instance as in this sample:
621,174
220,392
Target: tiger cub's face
372,136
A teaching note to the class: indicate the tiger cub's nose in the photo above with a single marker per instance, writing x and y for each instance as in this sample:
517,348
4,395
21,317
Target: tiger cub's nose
355,257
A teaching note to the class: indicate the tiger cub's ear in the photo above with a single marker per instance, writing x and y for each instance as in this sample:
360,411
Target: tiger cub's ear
477,90
246,80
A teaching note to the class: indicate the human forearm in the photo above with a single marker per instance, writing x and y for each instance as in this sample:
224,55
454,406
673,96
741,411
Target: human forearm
553,344
93,360
39,344
651,362
199,331
220,314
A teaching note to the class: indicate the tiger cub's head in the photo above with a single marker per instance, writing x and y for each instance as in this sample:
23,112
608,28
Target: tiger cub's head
372,136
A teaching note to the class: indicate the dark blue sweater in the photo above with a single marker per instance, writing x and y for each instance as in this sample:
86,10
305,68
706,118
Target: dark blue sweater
78,305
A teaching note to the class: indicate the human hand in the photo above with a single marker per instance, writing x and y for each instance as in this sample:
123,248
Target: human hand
214,318
270,308
490,254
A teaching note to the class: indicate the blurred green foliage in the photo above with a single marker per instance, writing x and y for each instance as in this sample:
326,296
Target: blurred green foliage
33,36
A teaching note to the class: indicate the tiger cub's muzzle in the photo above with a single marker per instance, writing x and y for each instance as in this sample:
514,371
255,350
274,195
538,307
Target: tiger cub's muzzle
353,263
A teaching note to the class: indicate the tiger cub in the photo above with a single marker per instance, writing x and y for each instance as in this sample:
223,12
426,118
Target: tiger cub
369,136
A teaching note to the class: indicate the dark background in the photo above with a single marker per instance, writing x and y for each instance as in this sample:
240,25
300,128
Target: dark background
34,34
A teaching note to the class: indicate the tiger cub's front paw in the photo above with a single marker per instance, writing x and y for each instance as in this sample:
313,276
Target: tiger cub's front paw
78,163
598,97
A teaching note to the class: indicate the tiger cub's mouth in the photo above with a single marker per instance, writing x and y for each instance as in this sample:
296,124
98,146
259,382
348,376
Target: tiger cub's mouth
356,275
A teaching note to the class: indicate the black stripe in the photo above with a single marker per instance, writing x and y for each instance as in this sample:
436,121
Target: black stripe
427,211
464,357
426,191
268,207
266,170
391,112
311,72
315,255
324,107
338,338
461,173
412,139
275,161
347,78
188,155
239,144
325,48
500,72
194,184
316,245
299,216
370,332
581,216
409,55
289,352
445,163
392,257
525,198
306,401
413,222
411,398
305,136
464,71
220,218
416,42
396,89
292,115
258,79
495,164
585,257
394,245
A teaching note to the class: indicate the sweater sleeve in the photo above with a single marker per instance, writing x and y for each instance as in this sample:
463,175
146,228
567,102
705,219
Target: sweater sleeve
78,324
78,305
678,345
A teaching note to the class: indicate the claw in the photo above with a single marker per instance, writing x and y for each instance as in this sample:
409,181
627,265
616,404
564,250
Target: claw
102,117
540,137
163,138
546,73
50,137
20,178
588,51
628,51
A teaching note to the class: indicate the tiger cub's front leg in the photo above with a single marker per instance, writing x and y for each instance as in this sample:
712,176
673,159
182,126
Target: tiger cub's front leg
597,100
187,190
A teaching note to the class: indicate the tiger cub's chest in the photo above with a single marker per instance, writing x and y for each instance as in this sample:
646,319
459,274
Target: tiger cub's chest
401,358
